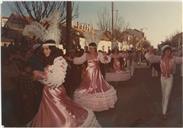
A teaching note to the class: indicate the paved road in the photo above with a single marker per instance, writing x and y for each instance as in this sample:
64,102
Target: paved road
139,103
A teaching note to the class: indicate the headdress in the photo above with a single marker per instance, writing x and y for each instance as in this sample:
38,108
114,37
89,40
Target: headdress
47,29
35,46
49,33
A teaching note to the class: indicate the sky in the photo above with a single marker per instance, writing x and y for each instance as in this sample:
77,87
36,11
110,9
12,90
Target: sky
158,20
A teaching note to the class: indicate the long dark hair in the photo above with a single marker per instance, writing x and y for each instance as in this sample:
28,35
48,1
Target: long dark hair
55,52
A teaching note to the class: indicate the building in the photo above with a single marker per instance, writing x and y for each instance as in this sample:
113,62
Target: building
11,29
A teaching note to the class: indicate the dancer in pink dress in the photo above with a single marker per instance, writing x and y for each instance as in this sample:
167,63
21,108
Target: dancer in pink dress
94,92
56,108
117,60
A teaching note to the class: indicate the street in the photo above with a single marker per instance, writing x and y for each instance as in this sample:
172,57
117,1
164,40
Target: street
139,103
56,57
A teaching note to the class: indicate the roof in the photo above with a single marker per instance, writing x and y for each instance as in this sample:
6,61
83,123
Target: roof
17,22
134,32
4,17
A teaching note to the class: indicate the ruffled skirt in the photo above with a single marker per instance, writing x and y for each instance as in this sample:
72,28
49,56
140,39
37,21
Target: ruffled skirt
118,76
99,101
58,110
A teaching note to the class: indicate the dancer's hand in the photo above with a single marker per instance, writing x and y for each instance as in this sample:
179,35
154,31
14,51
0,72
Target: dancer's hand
39,75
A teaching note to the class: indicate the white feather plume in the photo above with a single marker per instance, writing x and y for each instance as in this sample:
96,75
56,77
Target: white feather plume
53,32
37,30
53,18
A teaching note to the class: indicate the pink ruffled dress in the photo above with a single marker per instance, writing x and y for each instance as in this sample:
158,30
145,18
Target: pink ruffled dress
94,92
58,110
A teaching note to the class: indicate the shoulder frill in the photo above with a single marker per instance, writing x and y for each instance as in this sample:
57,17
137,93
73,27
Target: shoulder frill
56,73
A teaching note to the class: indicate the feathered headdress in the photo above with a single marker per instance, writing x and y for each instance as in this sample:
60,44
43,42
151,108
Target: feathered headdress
34,30
93,36
47,29
53,31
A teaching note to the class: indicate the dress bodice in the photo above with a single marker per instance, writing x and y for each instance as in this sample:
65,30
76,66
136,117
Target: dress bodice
93,60
93,63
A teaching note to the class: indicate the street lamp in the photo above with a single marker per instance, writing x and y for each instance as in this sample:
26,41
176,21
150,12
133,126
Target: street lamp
112,20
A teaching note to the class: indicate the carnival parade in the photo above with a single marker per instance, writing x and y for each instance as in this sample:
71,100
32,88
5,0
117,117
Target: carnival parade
58,72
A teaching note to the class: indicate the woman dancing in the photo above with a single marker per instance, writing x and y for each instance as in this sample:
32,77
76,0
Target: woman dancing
117,60
56,108
94,92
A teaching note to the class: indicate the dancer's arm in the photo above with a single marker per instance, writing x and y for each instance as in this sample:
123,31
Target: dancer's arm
80,60
39,75
152,58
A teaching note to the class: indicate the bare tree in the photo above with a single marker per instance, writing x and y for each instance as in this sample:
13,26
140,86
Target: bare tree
104,23
104,20
175,40
38,10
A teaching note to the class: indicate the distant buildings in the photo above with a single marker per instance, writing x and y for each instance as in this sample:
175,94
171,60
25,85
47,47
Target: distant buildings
13,26
11,29
4,21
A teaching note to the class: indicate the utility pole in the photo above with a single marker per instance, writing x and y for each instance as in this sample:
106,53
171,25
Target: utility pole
116,19
112,21
68,41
